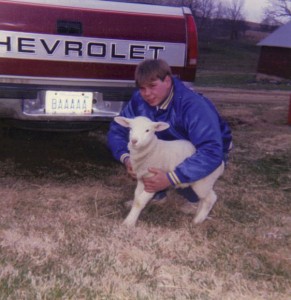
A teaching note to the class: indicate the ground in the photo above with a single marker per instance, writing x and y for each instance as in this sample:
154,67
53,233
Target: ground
62,207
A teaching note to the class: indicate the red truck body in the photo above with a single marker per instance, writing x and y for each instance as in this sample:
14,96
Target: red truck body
58,57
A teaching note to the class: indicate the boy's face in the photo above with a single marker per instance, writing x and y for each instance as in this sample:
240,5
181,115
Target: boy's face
155,92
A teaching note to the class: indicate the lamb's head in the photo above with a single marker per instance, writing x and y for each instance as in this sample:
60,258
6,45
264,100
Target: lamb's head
142,130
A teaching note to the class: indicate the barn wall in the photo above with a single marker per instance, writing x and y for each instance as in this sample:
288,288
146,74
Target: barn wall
275,61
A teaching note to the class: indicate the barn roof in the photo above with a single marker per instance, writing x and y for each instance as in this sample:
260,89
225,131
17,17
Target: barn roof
279,38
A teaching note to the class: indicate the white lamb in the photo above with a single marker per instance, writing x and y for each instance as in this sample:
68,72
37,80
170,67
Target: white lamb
146,150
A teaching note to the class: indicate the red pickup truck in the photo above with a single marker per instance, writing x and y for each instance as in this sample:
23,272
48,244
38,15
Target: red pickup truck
69,64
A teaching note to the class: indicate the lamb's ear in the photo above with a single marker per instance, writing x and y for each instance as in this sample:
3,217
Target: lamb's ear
160,126
125,122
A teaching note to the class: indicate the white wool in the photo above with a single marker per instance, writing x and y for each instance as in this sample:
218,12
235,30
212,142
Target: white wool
165,155
146,150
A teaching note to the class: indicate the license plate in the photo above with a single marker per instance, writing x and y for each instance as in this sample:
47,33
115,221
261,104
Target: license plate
61,102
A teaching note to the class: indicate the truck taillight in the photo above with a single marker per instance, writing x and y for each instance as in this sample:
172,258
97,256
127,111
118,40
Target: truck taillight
192,47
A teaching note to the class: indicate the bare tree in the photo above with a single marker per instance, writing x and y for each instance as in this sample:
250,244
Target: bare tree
278,11
206,13
220,12
235,15
235,10
269,24
203,11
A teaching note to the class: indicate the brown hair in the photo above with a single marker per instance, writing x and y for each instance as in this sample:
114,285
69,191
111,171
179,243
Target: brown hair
150,70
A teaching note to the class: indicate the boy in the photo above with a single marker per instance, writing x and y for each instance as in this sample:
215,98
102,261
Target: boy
162,97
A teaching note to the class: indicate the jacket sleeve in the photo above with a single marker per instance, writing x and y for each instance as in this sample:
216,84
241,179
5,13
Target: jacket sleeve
201,122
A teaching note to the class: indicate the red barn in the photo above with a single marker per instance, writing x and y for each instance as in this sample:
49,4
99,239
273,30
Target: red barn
275,57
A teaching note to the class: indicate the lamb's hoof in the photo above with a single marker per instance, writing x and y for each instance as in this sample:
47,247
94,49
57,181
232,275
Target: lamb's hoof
203,213
128,224
199,219
204,209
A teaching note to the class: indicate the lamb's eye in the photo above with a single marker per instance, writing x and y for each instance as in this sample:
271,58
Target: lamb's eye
147,130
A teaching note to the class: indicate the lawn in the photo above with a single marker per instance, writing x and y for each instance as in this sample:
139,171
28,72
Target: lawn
60,224
226,63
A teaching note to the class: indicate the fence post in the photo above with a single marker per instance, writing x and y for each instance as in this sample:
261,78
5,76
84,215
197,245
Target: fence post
289,112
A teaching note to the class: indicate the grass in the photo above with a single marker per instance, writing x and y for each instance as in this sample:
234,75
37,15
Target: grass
60,237
228,55
275,169
232,64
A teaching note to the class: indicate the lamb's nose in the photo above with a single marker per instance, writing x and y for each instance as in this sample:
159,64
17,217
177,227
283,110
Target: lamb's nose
133,141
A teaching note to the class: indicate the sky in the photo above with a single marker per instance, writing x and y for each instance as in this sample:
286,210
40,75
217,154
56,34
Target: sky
253,9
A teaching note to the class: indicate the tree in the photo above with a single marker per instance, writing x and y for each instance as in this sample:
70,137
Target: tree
235,15
203,11
278,11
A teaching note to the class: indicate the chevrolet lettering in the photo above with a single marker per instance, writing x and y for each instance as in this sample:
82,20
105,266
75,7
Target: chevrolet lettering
48,47
69,64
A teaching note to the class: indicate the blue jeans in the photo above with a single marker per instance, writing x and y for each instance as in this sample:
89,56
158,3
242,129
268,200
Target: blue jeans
187,193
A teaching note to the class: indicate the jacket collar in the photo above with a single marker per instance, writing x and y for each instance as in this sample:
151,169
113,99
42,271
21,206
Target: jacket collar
166,103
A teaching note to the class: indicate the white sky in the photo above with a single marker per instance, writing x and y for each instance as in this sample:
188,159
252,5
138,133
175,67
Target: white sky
253,9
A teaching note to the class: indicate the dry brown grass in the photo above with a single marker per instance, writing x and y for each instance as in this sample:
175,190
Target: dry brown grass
60,223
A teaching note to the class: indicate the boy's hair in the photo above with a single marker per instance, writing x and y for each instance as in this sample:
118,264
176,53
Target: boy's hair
150,70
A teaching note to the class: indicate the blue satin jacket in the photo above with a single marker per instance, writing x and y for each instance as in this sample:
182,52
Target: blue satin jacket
192,117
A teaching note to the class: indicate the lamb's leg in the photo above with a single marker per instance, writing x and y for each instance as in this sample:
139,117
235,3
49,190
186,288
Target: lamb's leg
207,197
139,189
139,203
204,207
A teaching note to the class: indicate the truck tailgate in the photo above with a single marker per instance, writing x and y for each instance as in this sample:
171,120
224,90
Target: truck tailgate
81,40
